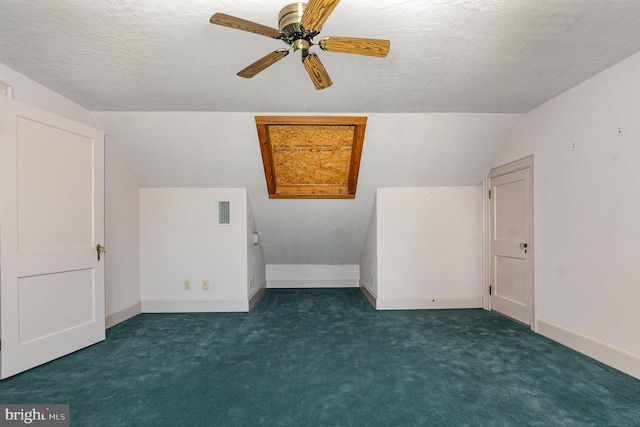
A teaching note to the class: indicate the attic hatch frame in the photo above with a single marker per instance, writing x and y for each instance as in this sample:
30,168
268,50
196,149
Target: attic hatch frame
311,157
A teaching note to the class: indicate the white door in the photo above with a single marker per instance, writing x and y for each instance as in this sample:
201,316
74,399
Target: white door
51,220
511,213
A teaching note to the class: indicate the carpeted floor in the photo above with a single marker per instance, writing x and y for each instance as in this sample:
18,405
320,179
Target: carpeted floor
325,357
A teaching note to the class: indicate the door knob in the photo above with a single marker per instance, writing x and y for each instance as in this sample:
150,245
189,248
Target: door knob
100,248
523,246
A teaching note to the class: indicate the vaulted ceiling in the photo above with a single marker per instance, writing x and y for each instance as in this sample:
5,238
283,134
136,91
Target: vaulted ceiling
161,82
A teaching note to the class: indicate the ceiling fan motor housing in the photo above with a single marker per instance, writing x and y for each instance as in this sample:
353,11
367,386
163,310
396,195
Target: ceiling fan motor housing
289,23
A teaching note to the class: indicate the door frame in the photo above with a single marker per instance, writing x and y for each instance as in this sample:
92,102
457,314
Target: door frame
513,166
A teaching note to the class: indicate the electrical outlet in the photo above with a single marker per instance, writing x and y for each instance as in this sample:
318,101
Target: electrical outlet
205,284
251,284
187,285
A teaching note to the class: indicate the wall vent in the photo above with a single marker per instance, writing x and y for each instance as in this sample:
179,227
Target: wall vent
224,212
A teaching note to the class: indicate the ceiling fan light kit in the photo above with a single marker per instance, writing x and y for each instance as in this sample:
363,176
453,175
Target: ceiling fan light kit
298,24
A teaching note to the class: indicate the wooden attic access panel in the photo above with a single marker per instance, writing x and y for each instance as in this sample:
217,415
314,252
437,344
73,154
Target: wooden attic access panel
311,157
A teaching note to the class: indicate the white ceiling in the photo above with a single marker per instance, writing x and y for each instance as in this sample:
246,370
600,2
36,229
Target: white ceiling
144,67
446,55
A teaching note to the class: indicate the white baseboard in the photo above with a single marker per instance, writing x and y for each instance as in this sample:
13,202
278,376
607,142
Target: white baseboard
289,284
122,314
183,306
370,296
253,299
619,359
427,303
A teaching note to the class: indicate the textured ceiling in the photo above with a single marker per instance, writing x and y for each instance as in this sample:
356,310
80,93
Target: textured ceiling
446,55
161,82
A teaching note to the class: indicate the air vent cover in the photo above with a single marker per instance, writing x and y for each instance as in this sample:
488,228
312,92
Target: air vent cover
224,212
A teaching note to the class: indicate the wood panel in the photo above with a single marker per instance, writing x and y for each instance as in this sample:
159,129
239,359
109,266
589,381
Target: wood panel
311,156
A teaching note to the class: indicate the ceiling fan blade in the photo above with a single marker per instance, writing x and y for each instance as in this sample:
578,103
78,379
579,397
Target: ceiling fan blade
369,47
317,72
316,13
244,25
262,63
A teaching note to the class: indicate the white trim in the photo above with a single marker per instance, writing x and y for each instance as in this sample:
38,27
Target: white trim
622,360
188,306
486,245
369,295
427,303
513,166
336,283
253,299
122,314
6,90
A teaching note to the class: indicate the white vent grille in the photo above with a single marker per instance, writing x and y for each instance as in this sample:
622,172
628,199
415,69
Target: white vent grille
224,212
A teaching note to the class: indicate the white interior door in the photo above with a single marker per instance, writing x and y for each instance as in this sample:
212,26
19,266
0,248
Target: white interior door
51,220
511,212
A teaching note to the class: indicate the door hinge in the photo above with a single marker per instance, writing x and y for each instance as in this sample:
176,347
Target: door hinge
489,193
489,289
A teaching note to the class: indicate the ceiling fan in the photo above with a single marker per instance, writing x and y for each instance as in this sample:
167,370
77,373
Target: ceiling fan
299,23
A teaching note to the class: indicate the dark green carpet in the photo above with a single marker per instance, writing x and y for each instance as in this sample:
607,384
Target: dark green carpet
326,357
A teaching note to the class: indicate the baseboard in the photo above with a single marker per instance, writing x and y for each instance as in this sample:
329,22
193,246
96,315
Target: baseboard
427,303
253,299
369,296
122,314
338,283
182,306
619,359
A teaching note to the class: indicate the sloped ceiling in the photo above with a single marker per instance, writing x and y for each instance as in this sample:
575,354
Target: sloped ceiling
161,82
213,149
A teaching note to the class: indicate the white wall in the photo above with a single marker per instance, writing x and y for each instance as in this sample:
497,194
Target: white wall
33,93
255,260
122,239
312,276
180,239
429,247
220,149
369,257
121,230
587,174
